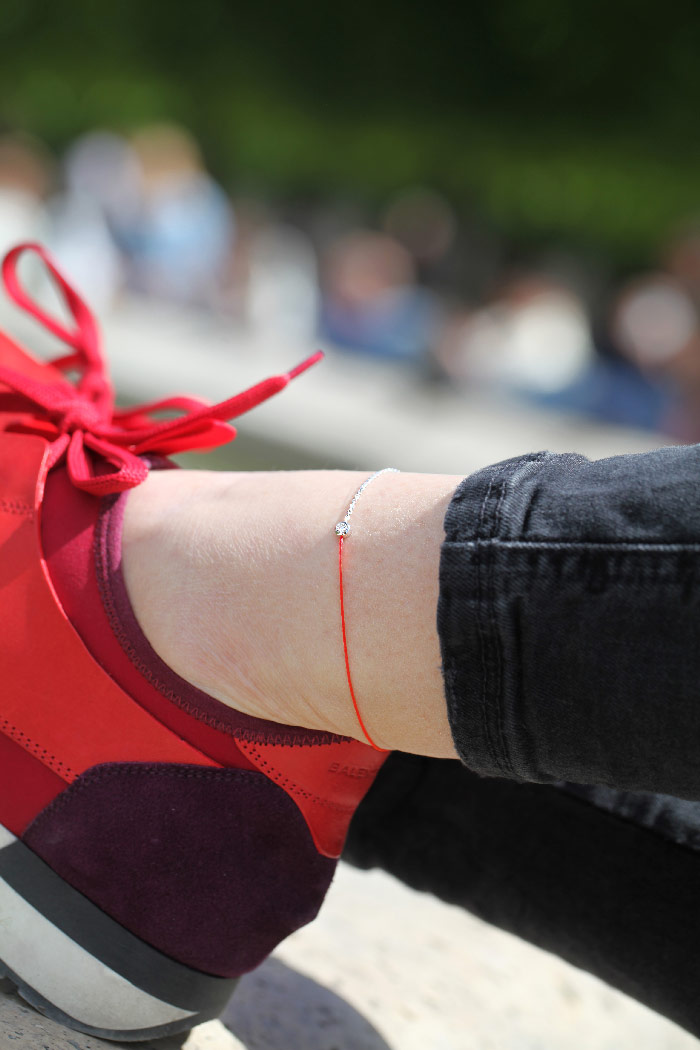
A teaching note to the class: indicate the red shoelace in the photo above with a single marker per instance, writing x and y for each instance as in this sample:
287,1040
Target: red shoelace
80,420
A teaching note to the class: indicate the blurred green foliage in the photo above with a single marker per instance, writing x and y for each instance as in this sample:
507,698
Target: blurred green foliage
554,118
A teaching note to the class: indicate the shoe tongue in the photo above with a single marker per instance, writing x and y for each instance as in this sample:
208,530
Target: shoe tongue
68,520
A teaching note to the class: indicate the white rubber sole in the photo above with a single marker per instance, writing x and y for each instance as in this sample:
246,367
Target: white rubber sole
78,966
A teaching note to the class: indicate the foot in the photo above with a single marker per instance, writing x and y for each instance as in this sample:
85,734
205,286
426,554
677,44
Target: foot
155,843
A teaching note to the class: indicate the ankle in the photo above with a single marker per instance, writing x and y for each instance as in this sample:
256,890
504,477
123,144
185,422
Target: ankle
234,580
224,579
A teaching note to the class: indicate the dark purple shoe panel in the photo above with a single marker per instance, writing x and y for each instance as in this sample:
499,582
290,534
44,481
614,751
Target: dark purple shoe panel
212,867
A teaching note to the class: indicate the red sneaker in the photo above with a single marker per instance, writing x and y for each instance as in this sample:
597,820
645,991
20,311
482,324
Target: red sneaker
154,843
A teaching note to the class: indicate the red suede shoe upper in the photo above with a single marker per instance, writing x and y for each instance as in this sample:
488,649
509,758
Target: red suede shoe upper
57,702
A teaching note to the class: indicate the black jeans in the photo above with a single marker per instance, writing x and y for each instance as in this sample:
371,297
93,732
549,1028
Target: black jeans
569,619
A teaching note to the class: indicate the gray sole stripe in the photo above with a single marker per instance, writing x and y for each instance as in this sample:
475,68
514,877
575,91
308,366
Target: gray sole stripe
105,939
124,1036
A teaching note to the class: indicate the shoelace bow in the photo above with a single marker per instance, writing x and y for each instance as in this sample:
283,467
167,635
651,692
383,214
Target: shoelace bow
80,419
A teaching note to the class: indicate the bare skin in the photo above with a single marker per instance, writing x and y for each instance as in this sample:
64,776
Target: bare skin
234,580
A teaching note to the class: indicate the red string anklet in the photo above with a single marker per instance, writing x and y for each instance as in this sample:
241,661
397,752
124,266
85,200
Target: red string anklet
342,531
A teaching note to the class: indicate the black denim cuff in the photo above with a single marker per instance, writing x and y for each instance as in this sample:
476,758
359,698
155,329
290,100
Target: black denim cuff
474,662
569,620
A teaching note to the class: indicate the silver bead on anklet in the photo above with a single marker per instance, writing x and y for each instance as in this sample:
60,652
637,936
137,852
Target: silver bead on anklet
343,527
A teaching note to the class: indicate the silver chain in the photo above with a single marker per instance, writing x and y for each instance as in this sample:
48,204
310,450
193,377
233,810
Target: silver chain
342,529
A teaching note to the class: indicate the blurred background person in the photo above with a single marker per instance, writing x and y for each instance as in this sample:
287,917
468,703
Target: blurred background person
534,339
371,301
26,176
655,326
179,237
27,172
98,200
